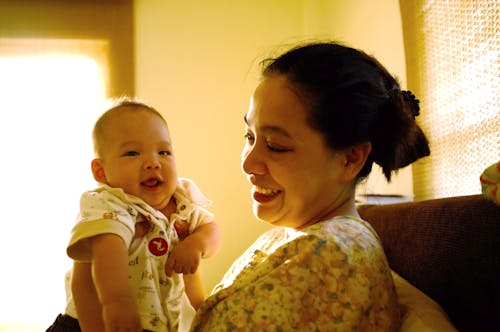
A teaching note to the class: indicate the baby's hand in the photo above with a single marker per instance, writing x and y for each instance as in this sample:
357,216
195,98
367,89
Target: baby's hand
182,228
184,258
141,229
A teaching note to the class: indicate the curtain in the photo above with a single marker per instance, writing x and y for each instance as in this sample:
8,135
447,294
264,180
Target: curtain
452,51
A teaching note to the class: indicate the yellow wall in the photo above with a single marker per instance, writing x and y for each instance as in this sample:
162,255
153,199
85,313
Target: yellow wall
196,62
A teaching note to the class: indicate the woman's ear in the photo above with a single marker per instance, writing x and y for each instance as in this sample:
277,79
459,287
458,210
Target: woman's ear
98,170
355,158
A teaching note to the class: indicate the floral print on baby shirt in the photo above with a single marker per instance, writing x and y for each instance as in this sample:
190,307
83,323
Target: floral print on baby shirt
332,276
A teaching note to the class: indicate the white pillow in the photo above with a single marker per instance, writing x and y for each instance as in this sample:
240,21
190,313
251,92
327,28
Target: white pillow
419,312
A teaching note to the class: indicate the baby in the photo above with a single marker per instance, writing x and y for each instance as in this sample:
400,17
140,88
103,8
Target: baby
140,235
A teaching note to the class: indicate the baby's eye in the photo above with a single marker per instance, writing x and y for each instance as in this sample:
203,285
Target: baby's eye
165,153
131,153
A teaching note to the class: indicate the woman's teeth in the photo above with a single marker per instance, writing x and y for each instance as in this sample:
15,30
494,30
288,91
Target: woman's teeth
267,192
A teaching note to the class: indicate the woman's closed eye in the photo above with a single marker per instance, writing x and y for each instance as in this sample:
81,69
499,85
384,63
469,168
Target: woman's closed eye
273,147
276,148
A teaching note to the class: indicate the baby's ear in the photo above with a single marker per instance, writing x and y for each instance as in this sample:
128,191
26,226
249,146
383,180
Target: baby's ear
98,170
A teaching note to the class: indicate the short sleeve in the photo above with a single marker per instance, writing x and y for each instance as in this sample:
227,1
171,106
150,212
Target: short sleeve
100,213
192,204
192,192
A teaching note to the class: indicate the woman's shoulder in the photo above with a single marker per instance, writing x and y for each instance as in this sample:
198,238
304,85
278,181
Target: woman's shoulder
342,230
338,231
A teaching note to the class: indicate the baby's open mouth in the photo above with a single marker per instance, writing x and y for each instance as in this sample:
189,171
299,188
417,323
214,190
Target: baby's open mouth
151,183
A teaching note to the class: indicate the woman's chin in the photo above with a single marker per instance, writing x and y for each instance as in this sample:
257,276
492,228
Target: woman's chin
269,218
263,216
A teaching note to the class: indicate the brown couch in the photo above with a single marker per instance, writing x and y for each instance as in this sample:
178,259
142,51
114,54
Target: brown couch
449,248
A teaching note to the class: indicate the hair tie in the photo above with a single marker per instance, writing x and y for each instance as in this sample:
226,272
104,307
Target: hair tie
412,101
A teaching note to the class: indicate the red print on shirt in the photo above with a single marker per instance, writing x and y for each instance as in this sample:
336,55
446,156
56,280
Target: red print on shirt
158,246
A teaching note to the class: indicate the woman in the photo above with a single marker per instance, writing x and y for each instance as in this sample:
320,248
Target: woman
321,116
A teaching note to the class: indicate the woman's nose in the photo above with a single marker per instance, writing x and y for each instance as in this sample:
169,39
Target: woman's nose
251,161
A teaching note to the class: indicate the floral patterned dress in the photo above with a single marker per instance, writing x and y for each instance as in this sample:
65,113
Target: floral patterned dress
331,276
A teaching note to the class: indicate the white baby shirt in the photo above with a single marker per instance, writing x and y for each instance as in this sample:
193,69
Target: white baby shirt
111,210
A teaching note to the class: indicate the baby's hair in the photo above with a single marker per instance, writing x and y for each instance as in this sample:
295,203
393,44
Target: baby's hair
353,99
119,106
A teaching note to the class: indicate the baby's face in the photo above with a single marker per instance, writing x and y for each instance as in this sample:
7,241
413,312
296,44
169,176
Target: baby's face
138,157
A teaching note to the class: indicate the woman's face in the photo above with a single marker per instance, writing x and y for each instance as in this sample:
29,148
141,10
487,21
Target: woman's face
295,176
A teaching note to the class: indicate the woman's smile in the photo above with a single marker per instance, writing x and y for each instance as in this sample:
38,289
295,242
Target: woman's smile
264,195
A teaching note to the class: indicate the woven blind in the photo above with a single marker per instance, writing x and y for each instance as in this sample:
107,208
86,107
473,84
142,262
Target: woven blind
453,66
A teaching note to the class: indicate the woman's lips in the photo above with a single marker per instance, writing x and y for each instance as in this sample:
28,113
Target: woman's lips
263,195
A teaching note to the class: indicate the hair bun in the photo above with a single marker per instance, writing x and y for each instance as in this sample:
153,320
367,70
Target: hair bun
398,140
412,101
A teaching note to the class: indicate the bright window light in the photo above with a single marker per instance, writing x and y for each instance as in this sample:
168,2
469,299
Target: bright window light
49,103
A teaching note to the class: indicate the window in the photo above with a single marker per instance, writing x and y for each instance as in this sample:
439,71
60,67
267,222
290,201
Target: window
58,61
52,92
453,66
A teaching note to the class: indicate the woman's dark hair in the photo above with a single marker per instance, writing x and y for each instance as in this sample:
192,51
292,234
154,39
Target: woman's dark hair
353,99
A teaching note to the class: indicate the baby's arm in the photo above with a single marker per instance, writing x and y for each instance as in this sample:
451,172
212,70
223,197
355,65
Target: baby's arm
205,241
87,303
208,237
110,276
